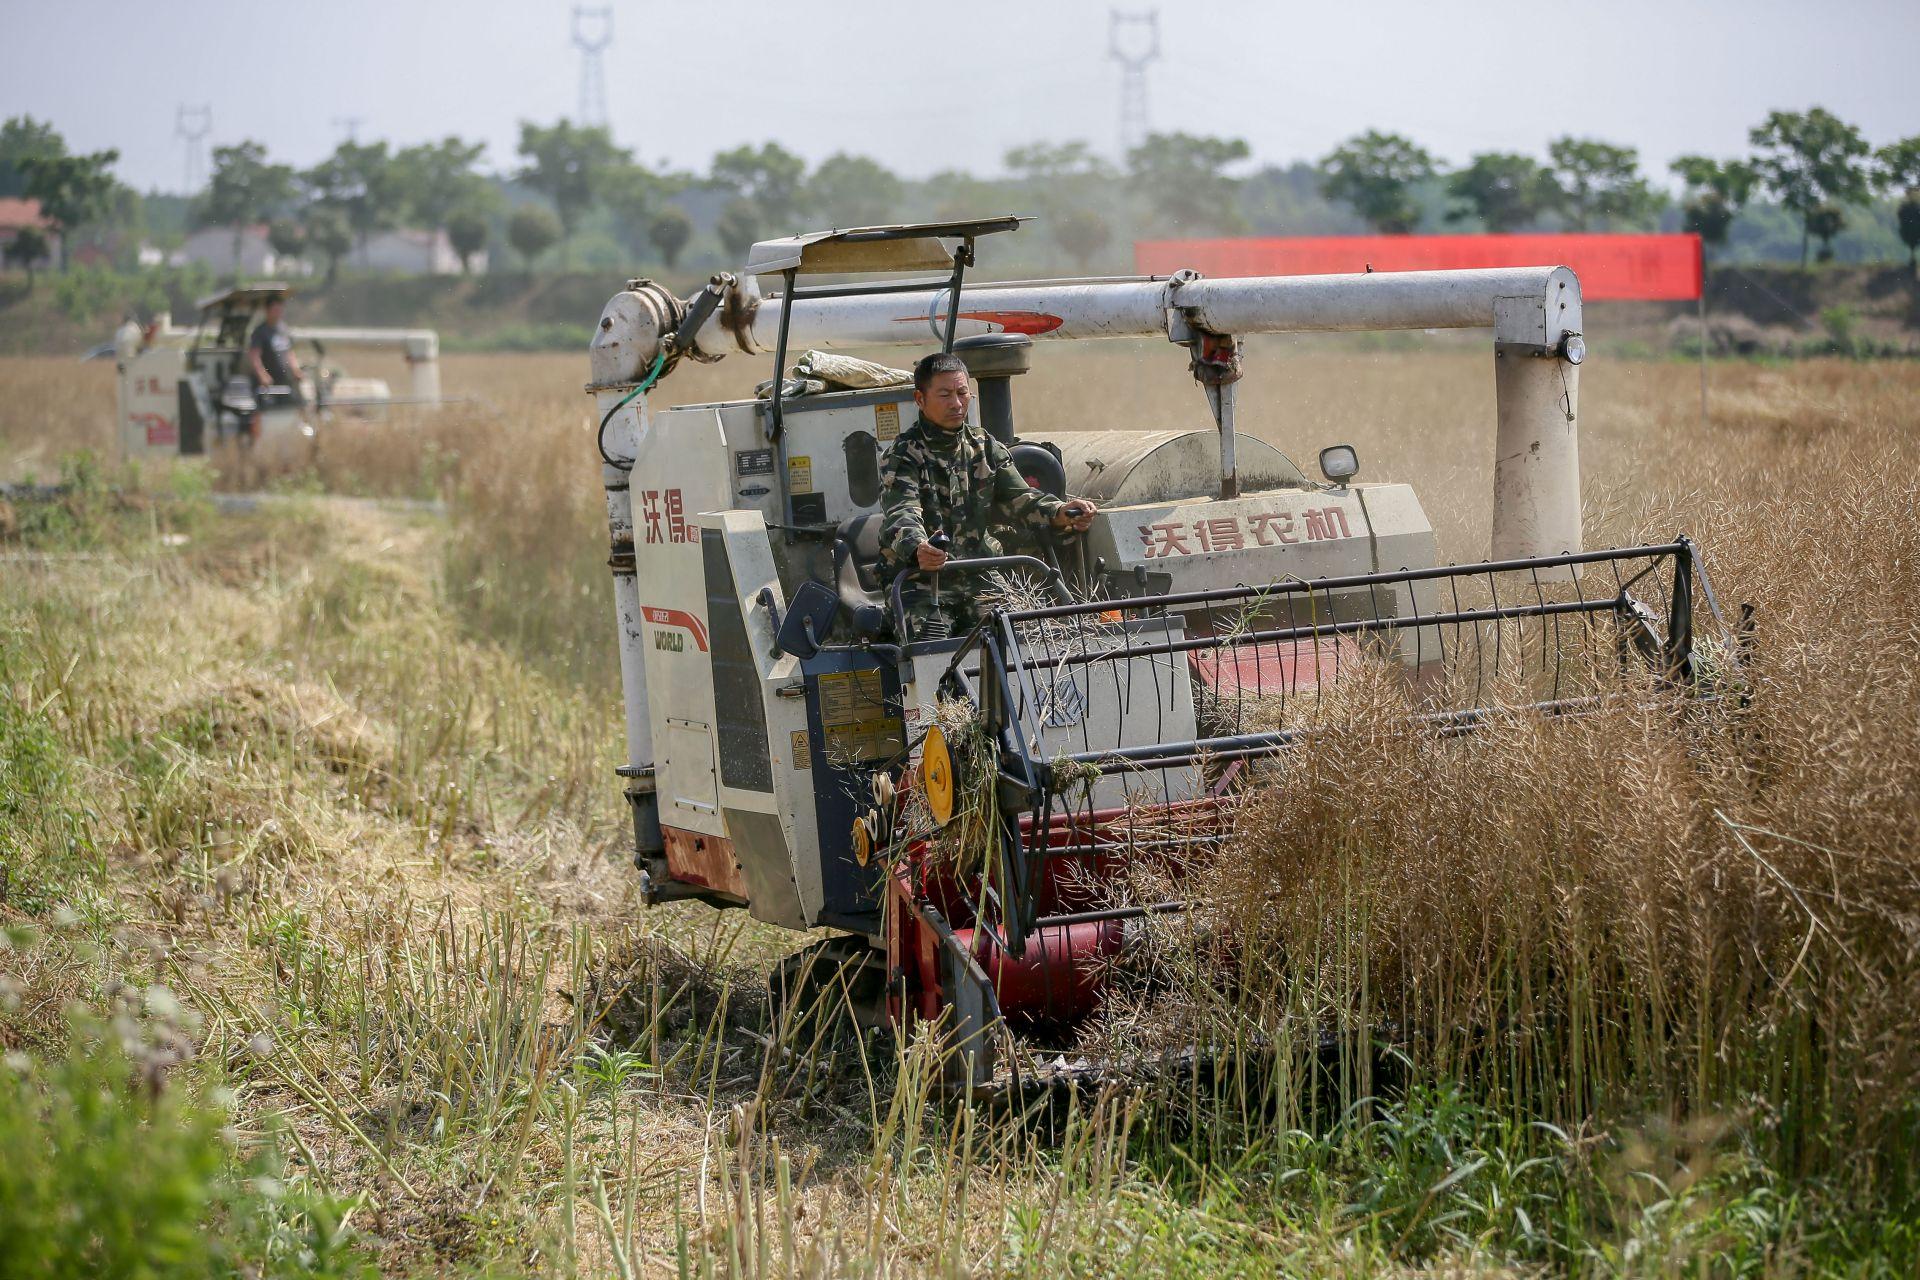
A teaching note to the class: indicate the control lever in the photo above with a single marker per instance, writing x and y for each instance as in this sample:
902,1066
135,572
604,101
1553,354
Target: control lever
977,564
942,543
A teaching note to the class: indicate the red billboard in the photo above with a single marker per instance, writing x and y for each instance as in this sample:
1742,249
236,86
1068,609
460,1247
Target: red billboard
1645,268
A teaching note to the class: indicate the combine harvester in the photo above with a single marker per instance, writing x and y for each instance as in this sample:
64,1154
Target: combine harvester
793,751
183,392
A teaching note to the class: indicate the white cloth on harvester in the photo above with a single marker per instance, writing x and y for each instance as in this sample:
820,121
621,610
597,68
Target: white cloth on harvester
818,371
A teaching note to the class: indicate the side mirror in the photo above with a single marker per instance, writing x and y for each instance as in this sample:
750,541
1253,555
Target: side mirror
810,618
1339,463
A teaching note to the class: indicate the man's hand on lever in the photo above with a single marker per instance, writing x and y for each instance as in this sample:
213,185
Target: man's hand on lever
1076,515
933,552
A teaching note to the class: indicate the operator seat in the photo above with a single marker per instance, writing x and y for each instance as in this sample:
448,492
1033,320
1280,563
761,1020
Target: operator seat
859,574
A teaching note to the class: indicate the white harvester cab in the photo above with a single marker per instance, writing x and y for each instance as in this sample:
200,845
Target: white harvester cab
185,391
777,706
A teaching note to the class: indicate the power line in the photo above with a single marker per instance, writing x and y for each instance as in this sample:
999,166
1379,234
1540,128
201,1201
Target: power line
349,125
192,124
1134,57
592,33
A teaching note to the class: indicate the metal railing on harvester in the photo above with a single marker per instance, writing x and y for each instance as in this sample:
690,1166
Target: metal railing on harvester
1102,711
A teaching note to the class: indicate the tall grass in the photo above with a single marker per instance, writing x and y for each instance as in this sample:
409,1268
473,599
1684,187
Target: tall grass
1685,920
1621,995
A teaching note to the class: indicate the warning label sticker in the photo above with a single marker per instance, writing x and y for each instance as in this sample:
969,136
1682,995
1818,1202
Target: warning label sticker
800,475
854,717
802,755
886,422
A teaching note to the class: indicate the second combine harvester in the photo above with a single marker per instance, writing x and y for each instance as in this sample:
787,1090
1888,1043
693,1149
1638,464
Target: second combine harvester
785,742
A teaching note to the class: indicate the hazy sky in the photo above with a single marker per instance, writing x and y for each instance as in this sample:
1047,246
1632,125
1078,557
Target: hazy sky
925,86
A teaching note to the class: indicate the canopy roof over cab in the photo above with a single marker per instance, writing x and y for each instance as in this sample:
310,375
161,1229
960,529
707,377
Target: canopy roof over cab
910,246
245,297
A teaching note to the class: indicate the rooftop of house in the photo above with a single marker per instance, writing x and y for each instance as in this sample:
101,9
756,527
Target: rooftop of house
16,213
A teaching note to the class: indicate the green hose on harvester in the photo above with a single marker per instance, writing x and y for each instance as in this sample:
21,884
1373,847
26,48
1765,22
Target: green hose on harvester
600,442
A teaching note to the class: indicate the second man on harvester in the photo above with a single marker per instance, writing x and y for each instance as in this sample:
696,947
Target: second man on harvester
944,485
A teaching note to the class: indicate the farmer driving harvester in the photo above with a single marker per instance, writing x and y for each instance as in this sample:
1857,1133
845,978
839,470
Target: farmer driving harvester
274,367
944,484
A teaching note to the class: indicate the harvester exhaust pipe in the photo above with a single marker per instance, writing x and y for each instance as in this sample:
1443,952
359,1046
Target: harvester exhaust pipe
994,360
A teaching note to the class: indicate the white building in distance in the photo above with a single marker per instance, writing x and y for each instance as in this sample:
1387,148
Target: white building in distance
214,247
406,251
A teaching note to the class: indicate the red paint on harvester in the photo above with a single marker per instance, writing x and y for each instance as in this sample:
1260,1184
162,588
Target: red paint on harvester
1645,268
677,618
1016,321
1008,321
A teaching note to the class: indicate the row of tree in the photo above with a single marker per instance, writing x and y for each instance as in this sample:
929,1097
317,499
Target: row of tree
1811,165
73,190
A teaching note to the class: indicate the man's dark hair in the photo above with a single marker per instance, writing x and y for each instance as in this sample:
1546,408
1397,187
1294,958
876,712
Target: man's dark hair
937,363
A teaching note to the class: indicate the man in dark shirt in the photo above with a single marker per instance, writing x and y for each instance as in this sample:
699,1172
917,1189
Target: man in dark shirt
270,353
942,476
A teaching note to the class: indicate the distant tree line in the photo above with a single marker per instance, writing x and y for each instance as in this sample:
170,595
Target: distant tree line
573,196
1812,164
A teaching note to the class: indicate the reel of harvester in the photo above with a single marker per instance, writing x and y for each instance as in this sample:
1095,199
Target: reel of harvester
1094,736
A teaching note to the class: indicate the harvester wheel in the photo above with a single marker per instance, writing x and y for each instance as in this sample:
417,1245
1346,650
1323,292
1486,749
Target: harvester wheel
936,775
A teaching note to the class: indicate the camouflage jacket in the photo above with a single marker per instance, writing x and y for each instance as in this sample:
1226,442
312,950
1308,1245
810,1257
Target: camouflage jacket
960,482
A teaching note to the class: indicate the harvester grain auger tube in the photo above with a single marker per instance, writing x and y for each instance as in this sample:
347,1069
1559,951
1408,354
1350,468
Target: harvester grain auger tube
1535,314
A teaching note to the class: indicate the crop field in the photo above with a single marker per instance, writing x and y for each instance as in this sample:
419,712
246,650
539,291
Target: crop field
320,949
